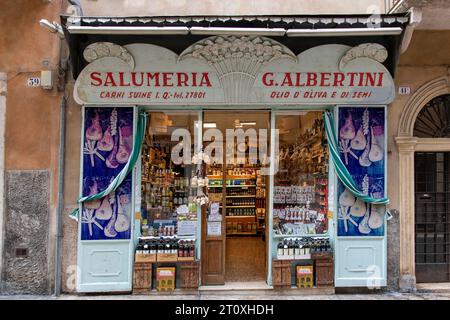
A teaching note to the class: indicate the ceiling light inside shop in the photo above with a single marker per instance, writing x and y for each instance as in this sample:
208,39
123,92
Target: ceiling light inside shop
209,125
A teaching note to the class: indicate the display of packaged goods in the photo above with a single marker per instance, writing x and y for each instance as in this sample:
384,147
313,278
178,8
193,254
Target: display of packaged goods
165,278
302,248
169,249
305,276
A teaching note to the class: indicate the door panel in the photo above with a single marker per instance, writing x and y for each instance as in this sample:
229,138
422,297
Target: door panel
432,207
106,267
359,262
213,262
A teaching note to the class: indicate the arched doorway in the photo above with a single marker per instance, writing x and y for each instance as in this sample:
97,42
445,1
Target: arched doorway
432,195
409,142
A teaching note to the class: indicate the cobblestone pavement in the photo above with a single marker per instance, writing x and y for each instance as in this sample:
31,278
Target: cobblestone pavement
234,296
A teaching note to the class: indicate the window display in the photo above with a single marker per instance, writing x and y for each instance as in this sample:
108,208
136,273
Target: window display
169,190
301,184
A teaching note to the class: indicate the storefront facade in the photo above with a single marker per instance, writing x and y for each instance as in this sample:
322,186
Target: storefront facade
318,181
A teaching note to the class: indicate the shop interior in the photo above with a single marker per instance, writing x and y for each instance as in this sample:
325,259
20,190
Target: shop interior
179,199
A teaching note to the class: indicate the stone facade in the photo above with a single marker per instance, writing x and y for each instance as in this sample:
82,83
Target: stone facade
26,233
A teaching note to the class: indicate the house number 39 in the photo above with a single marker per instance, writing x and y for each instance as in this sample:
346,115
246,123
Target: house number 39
34,82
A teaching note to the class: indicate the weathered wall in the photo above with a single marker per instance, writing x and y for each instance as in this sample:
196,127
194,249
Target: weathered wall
71,190
26,226
31,145
218,7
426,59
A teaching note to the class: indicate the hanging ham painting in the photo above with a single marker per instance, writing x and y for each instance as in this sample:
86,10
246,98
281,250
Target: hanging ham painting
361,134
108,142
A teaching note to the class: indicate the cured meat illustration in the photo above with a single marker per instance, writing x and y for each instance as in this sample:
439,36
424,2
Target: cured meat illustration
123,221
376,216
358,209
94,204
348,130
107,142
111,161
109,231
94,132
376,151
105,210
125,144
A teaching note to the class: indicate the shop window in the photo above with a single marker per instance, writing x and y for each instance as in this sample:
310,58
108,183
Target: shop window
168,208
300,195
433,120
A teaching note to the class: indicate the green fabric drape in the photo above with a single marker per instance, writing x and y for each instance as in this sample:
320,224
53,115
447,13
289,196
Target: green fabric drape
117,181
341,170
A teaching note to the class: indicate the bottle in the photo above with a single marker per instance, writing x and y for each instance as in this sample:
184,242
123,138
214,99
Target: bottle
175,247
285,248
192,249
181,249
153,247
168,247
296,248
139,247
280,250
290,248
160,246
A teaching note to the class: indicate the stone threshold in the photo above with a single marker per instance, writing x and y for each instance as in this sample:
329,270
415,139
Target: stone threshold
433,287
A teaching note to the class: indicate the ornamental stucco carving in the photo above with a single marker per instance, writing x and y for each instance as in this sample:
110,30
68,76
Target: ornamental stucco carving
99,50
372,51
237,60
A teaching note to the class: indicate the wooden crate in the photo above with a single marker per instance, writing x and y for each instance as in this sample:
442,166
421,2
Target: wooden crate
324,269
145,257
281,273
166,257
142,277
189,275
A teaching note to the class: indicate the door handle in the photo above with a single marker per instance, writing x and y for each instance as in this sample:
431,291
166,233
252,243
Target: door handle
425,196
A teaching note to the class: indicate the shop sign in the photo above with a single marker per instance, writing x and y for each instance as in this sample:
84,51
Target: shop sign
234,70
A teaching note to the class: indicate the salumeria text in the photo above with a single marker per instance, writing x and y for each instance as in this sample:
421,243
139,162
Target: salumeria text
268,79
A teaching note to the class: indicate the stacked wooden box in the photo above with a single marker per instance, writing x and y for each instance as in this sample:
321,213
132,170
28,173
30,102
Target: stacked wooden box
281,274
323,262
189,275
142,278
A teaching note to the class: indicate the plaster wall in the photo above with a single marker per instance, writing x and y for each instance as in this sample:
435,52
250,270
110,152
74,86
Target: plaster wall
31,145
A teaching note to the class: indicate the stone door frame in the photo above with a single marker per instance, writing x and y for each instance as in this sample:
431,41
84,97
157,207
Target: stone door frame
408,144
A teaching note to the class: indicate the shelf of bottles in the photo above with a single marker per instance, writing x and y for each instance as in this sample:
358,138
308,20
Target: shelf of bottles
165,249
299,248
241,200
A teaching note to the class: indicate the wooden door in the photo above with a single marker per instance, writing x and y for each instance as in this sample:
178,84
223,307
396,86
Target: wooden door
213,245
213,254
